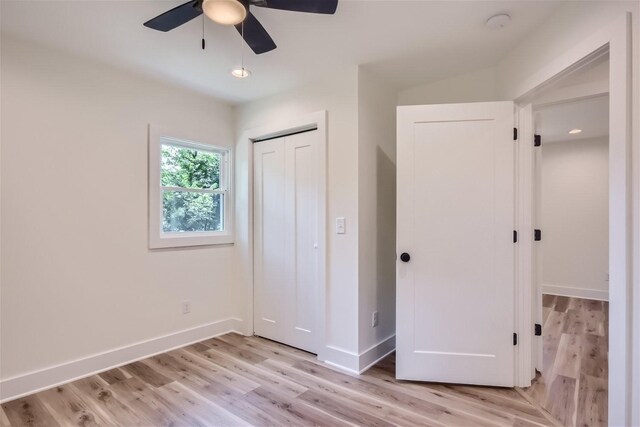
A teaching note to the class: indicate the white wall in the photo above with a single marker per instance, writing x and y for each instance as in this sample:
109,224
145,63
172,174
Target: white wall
77,275
575,217
563,30
476,86
338,95
377,213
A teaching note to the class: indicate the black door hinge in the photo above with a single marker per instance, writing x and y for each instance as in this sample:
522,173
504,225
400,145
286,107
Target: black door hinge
537,329
537,140
537,235
515,339
515,236
515,134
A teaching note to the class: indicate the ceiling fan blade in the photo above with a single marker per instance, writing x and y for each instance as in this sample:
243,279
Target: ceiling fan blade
255,35
175,17
312,6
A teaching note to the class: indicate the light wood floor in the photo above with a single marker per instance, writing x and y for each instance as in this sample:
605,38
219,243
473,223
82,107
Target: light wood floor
573,385
235,380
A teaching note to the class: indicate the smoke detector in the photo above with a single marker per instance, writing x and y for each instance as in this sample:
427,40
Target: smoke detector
498,21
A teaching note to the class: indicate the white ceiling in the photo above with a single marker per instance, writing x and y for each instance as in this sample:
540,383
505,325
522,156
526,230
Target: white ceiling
406,42
591,115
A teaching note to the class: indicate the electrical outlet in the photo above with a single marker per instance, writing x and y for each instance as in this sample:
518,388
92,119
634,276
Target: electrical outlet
374,319
186,306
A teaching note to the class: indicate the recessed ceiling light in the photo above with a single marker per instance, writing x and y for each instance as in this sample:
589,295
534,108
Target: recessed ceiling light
498,21
225,12
240,73
575,131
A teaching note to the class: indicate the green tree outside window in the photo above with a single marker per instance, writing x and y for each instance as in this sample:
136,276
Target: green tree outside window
185,173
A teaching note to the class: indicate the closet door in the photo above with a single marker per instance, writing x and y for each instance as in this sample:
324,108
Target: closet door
285,239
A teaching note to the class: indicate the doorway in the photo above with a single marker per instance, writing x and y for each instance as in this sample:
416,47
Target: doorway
572,249
286,239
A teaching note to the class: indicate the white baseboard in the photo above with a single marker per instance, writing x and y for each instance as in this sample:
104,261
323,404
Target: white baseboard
22,385
358,363
340,358
373,355
567,291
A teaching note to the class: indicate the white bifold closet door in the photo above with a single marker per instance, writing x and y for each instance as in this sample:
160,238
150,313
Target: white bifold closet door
286,239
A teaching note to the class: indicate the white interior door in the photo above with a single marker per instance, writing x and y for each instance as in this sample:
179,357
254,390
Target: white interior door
286,195
455,296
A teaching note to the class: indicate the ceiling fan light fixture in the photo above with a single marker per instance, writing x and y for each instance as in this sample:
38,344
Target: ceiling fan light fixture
240,73
225,12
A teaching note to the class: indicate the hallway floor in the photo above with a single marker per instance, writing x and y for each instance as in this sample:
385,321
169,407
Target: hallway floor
573,385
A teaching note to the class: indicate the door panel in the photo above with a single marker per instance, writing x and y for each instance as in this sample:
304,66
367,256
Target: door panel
303,194
285,293
269,228
455,299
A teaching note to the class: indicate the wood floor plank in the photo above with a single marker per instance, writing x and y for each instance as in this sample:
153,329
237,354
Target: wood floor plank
251,414
362,402
480,396
434,411
575,360
178,366
468,399
561,303
595,351
102,399
223,375
241,353
247,369
67,406
290,412
4,421
592,402
595,323
342,409
190,404
561,399
552,332
28,411
275,350
146,374
142,399
568,356
114,375
575,322
548,301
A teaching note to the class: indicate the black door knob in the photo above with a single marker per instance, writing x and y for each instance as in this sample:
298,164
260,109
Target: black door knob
405,257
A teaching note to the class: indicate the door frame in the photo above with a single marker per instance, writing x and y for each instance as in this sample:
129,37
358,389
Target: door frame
623,212
315,121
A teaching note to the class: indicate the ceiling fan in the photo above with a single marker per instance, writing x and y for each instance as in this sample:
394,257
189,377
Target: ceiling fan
236,12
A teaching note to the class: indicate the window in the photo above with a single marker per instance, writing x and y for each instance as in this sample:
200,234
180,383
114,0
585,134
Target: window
189,196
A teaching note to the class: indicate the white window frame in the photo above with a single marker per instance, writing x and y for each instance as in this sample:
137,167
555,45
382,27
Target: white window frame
157,237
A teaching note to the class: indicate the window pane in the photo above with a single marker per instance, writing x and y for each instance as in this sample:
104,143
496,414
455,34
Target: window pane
185,211
190,168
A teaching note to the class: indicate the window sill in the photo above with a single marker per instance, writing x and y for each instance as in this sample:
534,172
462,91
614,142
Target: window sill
181,240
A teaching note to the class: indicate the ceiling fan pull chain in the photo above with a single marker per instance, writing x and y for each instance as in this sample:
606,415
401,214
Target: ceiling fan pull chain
242,47
203,43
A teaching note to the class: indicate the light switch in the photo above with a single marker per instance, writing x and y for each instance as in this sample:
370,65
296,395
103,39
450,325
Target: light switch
340,225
